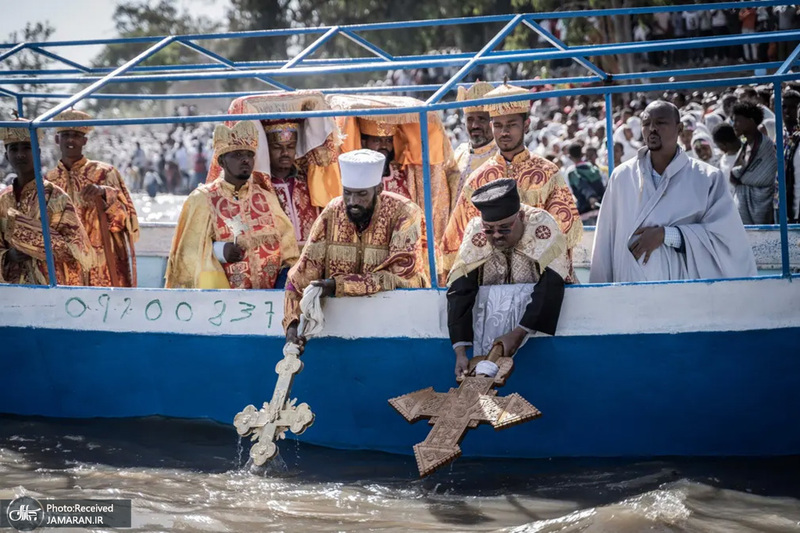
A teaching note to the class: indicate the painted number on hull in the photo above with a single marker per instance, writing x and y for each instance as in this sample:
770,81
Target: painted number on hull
215,313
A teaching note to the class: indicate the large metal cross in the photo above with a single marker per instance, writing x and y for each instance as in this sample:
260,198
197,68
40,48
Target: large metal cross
270,423
453,413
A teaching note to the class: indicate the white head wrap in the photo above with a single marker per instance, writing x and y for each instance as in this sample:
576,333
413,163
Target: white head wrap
361,169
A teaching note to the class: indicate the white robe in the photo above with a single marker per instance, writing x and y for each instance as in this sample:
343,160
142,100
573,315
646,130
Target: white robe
693,197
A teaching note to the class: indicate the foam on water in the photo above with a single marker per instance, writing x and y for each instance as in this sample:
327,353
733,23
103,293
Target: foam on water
186,475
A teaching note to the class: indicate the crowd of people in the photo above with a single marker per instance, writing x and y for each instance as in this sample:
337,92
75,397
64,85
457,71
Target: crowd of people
336,204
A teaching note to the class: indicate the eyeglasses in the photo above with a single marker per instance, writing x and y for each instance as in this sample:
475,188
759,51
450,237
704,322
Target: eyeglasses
501,230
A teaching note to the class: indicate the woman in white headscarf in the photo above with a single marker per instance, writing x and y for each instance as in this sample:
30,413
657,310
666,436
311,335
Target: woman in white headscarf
624,135
703,148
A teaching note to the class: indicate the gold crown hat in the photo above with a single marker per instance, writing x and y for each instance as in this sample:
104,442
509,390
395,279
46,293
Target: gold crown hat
280,130
242,136
508,108
74,114
376,128
18,135
479,89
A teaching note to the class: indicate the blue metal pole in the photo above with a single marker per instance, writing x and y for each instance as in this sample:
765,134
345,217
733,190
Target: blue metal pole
103,82
610,133
463,71
59,58
9,53
20,106
227,62
782,207
558,43
310,49
43,215
426,178
784,68
367,45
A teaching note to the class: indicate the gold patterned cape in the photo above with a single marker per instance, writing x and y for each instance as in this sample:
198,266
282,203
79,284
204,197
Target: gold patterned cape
252,218
540,185
542,245
21,228
467,161
391,253
123,224
407,148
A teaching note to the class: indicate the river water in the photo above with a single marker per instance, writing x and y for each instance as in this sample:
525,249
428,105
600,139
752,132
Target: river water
186,475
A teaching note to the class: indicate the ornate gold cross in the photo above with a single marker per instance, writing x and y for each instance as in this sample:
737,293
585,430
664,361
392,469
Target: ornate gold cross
270,423
453,413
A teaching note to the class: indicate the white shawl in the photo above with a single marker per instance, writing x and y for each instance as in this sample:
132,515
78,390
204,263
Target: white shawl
693,197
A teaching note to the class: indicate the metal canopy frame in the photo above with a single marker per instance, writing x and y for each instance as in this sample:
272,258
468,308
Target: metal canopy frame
598,82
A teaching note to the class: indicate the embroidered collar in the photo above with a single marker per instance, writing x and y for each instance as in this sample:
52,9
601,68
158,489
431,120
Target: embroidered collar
76,166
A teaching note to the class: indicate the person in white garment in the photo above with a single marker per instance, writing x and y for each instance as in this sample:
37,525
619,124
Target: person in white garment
666,216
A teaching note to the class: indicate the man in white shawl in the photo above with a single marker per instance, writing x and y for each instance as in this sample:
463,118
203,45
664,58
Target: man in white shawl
666,216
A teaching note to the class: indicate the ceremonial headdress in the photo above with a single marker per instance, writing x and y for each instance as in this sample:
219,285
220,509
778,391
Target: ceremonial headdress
508,108
497,200
478,90
74,114
281,130
376,128
17,135
242,136
361,169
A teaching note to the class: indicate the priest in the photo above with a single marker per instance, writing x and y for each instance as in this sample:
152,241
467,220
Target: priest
509,243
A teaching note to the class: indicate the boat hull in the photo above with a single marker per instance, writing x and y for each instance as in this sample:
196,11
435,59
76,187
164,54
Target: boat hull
658,369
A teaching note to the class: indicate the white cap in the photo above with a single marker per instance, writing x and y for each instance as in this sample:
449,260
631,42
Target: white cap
361,169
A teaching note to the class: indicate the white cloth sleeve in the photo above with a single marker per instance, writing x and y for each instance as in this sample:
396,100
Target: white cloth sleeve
219,251
673,237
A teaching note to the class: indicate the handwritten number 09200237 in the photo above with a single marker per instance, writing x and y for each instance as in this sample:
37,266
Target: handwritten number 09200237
154,310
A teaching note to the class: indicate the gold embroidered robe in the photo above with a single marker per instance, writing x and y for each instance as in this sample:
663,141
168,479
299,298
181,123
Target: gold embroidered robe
540,185
251,217
295,199
467,161
123,225
21,228
389,254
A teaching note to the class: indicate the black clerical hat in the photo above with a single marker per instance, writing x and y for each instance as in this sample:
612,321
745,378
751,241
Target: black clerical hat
497,200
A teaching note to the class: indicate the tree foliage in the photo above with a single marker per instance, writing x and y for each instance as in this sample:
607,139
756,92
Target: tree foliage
28,60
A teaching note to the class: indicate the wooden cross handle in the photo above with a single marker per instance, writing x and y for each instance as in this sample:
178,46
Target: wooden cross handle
496,352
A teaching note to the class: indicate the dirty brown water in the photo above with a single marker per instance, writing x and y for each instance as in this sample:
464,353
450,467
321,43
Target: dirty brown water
190,476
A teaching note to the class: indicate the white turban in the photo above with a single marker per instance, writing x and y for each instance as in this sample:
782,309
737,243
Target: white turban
361,169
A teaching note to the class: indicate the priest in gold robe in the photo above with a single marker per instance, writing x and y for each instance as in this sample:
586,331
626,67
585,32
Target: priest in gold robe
539,181
23,257
480,147
366,241
232,232
509,243
86,181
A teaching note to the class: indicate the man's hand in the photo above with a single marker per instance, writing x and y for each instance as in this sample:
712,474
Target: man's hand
650,239
512,341
15,256
294,338
232,252
92,191
462,363
328,286
594,203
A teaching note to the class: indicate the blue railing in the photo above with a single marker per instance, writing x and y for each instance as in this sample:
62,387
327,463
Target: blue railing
598,82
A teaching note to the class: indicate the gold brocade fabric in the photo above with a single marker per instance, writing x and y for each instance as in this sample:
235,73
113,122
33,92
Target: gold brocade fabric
120,214
389,254
21,228
216,212
467,161
295,200
542,245
540,185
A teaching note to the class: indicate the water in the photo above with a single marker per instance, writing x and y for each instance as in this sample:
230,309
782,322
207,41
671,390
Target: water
184,476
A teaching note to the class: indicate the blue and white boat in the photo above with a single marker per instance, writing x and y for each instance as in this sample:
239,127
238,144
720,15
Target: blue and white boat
708,367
